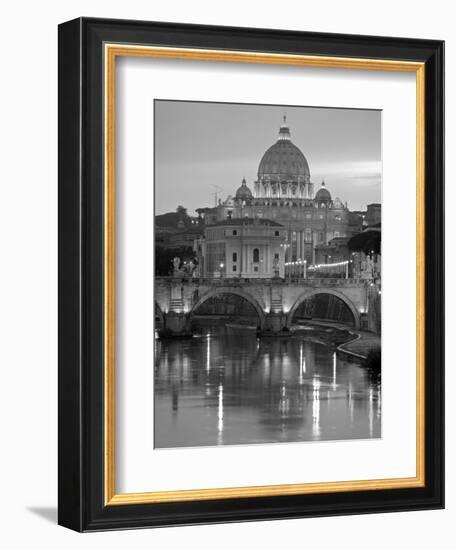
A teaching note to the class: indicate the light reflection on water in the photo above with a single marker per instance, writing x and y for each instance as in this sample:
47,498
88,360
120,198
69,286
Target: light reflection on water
226,387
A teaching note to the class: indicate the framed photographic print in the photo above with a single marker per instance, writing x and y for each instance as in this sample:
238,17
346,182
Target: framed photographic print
250,274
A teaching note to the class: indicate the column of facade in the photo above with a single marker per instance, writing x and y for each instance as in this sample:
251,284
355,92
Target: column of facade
290,246
246,259
298,244
241,260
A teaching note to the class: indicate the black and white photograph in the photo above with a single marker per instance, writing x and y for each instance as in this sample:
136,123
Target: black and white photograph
267,274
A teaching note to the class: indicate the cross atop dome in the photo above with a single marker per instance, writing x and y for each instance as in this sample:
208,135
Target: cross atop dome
284,131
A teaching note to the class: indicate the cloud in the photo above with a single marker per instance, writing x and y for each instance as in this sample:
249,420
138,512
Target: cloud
348,168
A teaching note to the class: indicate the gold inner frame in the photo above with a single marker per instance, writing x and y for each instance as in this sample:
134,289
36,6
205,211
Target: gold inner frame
111,52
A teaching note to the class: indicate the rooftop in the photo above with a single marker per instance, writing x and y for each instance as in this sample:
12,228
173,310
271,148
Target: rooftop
196,229
246,221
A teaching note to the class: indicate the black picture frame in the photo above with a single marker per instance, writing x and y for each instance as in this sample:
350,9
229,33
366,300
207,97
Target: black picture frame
81,399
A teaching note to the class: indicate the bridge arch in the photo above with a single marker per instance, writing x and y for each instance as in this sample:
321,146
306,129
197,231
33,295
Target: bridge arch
313,292
234,291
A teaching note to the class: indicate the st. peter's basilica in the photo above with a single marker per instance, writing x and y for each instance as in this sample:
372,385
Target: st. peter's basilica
283,208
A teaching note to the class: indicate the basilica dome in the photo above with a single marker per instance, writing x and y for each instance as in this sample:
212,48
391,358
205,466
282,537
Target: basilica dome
284,161
243,192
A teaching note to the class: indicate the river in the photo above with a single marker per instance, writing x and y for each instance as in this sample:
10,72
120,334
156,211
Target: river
227,387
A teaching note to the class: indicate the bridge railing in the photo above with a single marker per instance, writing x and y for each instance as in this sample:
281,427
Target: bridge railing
239,282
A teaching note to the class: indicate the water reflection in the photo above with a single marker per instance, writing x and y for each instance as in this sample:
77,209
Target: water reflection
227,387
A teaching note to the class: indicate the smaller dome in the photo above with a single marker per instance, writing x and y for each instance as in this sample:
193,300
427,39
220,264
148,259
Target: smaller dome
243,192
323,194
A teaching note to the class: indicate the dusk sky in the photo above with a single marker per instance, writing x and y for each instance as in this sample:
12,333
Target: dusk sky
202,147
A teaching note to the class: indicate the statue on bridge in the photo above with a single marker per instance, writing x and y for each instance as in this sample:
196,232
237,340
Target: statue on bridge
176,266
275,266
187,269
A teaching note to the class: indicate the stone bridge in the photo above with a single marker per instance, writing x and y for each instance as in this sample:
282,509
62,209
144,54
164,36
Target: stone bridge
275,300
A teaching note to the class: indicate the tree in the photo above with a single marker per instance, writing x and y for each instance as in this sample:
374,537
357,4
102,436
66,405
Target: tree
368,242
164,258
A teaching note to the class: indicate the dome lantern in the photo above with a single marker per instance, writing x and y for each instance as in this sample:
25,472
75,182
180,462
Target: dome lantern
284,130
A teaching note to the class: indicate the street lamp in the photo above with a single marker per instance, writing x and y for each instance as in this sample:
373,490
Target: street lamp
287,264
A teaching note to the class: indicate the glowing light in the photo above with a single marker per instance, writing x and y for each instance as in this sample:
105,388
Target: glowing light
350,401
302,364
316,408
371,412
284,403
208,352
220,414
321,266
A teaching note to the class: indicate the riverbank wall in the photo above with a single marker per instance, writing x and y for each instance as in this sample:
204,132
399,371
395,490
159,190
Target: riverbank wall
356,345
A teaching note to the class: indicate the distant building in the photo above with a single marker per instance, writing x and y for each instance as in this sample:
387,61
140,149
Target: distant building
335,251
373,214
242,247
